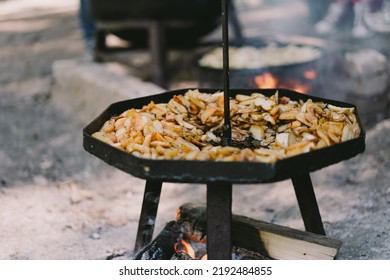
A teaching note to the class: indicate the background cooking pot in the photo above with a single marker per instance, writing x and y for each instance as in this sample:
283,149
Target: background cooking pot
212,77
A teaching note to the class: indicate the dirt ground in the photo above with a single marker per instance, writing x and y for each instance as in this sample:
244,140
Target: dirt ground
59,202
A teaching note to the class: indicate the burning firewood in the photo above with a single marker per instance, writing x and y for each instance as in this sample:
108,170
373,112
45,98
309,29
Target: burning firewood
193,219
181,256
162,247
185,239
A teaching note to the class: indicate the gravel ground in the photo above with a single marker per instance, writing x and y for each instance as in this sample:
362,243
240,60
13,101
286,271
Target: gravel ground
59,202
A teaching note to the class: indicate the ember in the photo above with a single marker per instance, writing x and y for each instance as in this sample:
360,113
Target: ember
194,250
184,246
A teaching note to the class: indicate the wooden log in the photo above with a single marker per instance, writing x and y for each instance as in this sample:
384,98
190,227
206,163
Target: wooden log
269,240
280,242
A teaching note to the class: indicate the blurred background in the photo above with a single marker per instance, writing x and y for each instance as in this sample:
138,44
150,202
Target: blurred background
63,62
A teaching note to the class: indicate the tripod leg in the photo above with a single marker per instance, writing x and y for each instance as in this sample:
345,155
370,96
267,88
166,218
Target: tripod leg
308,204
219,221
148,214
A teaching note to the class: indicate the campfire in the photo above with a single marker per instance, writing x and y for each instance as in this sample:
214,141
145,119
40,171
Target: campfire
193,242
302,85
186,239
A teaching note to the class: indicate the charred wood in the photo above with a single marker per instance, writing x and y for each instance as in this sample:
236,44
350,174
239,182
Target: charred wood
162,247
193,219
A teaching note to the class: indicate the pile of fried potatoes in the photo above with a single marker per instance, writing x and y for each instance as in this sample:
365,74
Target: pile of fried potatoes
190,127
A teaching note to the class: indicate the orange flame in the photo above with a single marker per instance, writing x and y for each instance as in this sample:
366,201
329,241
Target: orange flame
310,74
184,246
267,80
297,86
178,214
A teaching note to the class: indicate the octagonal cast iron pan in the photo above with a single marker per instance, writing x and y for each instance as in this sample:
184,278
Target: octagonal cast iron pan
196,171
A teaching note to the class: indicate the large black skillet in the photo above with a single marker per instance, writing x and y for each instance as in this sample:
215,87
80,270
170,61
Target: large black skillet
194,171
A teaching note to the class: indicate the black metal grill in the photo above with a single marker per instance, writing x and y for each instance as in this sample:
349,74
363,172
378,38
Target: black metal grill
219,176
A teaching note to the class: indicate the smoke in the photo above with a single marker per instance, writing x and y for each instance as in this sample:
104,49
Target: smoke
293,22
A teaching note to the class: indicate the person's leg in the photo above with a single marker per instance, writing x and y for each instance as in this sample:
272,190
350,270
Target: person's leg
87,25
336,15
360,8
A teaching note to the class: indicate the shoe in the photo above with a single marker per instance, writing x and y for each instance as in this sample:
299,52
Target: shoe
89,44
335,15
359,29
379,21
